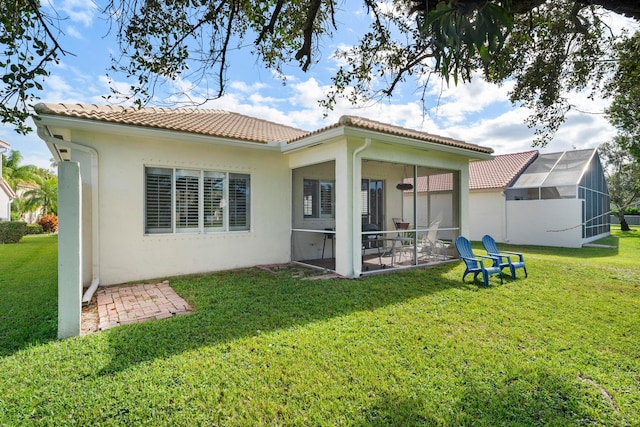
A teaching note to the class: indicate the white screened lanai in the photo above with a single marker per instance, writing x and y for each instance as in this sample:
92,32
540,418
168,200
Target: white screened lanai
573,176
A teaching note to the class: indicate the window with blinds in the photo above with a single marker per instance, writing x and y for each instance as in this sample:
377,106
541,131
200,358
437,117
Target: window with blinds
238,202
187,205
318,199
214,200
189,201
158,189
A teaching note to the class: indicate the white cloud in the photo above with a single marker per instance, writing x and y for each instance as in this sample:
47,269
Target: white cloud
246,88
73,32
34,151
82,11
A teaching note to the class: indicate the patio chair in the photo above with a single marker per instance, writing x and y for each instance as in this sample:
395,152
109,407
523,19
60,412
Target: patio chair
369,240
430,245
490,246
474,263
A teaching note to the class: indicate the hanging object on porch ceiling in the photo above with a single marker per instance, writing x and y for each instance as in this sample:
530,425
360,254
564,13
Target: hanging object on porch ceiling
404,185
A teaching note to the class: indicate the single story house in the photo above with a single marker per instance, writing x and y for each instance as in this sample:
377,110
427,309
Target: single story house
6,193
553,199
155,192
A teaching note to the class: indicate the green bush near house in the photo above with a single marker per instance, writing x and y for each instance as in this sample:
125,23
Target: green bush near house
12,231
34,229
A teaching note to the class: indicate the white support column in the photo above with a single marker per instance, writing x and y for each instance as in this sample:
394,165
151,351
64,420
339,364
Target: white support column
344,214
69,249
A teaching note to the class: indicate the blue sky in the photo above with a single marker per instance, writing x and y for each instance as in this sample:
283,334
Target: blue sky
476,112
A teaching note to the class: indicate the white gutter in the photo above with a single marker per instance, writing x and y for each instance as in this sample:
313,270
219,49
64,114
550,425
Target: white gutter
52,142
357,231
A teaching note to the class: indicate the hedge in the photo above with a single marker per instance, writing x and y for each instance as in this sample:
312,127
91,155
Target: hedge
34,229
12,232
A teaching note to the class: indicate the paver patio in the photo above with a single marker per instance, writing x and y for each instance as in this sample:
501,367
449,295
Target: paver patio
120,305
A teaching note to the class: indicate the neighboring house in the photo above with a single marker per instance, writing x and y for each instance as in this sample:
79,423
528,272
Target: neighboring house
554,199
152,192
6,193
488,180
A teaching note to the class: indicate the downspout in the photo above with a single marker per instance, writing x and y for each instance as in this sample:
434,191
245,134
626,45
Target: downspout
95,213
357,230
505,227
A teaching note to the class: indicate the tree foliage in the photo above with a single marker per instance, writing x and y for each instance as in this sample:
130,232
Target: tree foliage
17,174
624,88
623,176
43,197
28,39
36,188
548,48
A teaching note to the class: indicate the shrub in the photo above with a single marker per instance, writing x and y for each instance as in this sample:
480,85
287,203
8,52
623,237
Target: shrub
49,223
34,229
629,211
12,232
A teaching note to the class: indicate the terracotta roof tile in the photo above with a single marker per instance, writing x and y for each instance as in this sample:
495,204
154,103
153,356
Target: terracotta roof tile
218,123
227,124
363,123
499,172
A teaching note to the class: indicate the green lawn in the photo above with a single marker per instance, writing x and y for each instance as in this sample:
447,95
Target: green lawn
412,348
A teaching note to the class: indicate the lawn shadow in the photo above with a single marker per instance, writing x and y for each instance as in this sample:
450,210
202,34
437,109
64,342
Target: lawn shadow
244,303
602,248
536,397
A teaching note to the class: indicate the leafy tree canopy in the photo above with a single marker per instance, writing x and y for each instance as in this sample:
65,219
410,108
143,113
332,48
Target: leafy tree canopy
624,112
623,176
548,48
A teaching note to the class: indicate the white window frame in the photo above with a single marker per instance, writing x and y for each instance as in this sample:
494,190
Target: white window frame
204,214
312,206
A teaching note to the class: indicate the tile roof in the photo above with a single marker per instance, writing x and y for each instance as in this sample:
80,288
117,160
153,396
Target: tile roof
217,123
499,172
227,124
4,144
368,124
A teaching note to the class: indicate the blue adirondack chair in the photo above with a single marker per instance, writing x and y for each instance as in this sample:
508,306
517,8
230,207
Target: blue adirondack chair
475,263
490,246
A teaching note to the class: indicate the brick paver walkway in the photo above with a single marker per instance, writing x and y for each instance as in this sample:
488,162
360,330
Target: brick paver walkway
119,305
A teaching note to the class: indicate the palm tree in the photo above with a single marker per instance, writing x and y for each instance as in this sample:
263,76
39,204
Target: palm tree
15,174
44,196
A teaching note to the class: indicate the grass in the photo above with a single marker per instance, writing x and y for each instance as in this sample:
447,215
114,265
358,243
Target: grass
412,348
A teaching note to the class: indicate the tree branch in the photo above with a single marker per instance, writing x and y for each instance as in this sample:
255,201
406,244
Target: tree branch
305,50
272,23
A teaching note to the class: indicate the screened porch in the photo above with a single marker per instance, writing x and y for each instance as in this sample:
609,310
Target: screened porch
397,228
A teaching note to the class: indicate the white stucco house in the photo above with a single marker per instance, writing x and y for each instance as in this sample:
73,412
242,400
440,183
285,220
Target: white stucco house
552,199
6,193
152,192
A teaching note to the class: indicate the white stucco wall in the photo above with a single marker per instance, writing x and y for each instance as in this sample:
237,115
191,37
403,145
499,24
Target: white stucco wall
126,253
545,222
487,215
4,206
